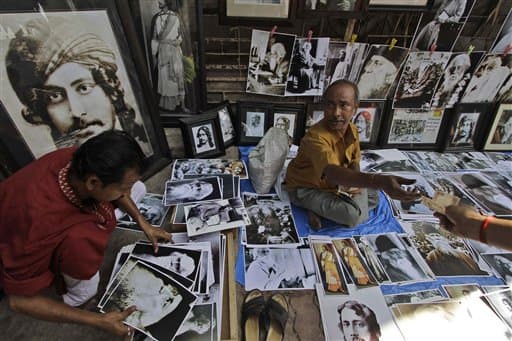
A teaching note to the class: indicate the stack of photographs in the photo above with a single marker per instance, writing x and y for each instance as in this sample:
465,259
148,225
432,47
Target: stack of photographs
421,296
152,209
386,161
271,222
433,161
206,167
177,291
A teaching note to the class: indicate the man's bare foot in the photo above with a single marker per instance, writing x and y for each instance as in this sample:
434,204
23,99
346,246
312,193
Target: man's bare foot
314,220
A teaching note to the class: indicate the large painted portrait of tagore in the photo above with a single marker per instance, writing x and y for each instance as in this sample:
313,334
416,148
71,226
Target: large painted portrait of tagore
64,79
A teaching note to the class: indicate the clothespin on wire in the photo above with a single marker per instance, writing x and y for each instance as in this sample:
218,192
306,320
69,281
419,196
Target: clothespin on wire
273,31
353,39
393,43
310,34
433,48
470,49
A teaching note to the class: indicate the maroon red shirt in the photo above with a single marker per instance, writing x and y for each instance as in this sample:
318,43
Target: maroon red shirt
43,233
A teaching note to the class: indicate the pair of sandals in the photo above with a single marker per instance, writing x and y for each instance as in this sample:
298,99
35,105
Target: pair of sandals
264,321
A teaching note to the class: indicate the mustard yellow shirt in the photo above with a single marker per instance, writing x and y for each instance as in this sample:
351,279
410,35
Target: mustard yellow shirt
319,148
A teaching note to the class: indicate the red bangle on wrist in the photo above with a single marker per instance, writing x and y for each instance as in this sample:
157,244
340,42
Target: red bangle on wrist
483,228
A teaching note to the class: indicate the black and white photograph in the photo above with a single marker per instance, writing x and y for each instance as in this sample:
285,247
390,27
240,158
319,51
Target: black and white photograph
386,161
443,184
254,126
162,303
289,118
456,77
205,167
226,124
199,325
398,262
501,263
380,69
344,61
271,269
363,315
501,301
314,114
442,31
488,78
415,209
357,269
463,131
192,190
486,193
47,108
307,69
227,184
269,62
170,39
272,222
471,161
414,5
179,259
410,126
500,134
152,209
330,271
420,76
451,320
203,138
368,254
463,291
330,5
445,253
216,215
422,296
504,37
433,161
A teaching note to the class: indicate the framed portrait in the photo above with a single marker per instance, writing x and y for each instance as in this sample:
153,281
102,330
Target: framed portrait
171,35
413,129
252,122
367,120
338,8
314,114
79,79
467,125
202,136
227,127
256,12
499,136
400,5
290,118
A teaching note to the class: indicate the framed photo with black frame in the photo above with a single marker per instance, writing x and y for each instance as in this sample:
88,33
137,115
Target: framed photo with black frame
331,8
413,129
79,78
171,35
400,5
257,13
202,136
223,110
291,118
253,120
499,136
368,119
314,114
467,124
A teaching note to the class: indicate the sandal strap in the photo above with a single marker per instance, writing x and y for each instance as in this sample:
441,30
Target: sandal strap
254,306
276,312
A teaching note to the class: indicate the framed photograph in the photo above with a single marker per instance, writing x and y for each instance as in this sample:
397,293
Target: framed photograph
290,118
314,114
171,36
367,120
500,134
227,127
202,136
256,12
413,129
468,121
337,8
400,5
49,101
252,122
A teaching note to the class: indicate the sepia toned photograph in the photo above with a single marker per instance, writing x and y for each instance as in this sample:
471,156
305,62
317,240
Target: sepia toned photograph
329,269
354,263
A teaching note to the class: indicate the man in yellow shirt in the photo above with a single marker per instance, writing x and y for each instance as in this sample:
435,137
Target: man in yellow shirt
325,179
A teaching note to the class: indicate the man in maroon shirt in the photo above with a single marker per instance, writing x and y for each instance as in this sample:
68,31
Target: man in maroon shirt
56,215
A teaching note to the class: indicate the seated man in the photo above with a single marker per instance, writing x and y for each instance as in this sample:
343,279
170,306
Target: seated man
324,178
56,216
